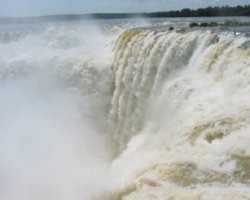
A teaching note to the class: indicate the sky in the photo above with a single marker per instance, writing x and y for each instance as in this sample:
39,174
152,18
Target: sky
20,8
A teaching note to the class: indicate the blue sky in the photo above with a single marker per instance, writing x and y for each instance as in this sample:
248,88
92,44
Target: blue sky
45,7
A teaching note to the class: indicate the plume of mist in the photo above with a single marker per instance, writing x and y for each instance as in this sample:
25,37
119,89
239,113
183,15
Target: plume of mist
49,147
52,144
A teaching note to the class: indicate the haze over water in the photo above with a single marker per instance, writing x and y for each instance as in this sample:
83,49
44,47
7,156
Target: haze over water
111,110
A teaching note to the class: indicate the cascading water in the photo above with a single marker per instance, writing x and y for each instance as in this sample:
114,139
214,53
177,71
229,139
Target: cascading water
180,114
169,118
143,61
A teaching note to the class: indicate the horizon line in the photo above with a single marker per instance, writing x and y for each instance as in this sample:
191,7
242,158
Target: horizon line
113,13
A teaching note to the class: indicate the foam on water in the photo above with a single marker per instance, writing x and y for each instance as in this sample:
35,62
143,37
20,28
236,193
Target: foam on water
180,115
89,113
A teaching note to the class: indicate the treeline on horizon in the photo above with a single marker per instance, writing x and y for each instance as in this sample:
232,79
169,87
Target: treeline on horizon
186,12
205,12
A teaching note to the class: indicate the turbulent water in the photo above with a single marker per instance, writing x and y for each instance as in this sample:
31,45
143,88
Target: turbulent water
115,112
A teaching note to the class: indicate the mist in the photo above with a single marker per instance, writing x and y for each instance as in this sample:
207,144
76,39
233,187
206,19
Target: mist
123,109
50,149
56,87
53,137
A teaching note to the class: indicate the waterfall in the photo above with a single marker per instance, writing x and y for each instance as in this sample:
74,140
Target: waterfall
124,113
180,114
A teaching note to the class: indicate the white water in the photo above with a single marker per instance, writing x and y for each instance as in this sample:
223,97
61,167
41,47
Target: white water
173,107
53,106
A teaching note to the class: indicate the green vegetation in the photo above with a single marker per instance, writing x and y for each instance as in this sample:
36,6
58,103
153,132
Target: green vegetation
205,12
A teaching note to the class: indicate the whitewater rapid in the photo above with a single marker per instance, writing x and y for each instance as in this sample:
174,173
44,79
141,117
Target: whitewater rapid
180,115
115,112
